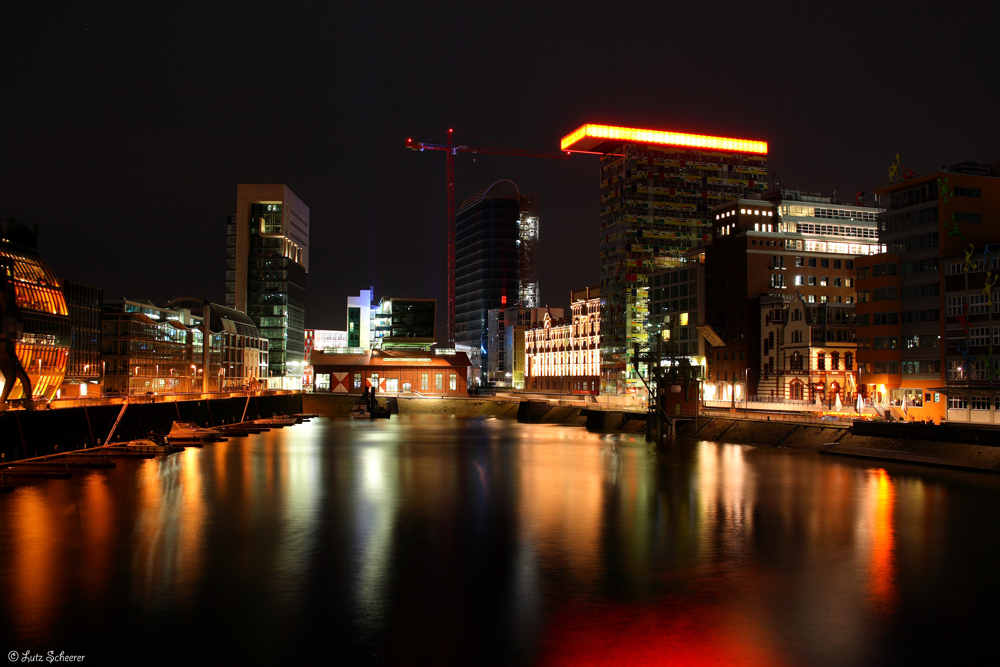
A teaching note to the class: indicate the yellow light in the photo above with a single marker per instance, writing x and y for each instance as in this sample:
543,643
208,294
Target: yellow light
684,319
659,137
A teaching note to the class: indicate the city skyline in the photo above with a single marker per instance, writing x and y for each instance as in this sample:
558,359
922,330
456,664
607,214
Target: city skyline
98,143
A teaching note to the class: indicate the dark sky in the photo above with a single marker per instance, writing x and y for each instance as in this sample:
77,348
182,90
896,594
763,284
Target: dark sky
125,129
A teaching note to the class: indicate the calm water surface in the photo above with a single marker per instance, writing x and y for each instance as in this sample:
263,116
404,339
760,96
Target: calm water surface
443,540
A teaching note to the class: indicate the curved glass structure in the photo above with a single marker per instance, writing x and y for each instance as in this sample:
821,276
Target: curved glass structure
34,337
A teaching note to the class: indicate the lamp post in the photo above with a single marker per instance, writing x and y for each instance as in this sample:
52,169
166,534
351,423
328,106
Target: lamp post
194,376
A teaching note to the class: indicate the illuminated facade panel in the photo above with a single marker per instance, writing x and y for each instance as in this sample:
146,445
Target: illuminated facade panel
565,356
600,139
34,326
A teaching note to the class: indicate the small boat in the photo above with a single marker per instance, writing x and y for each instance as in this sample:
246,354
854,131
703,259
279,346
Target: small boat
191,432
151,446
275,422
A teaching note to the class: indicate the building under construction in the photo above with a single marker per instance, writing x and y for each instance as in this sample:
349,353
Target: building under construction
657,189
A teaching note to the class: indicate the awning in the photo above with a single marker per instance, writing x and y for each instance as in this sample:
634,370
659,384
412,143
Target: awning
708,333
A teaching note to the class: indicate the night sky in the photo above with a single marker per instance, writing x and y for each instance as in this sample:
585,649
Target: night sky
125,129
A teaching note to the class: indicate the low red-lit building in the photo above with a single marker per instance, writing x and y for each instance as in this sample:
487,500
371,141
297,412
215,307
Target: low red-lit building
437,373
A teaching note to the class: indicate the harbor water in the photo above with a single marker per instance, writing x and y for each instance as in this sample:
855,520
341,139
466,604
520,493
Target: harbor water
435,539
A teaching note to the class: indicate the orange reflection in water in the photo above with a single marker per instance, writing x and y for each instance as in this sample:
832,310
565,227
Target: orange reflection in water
882,565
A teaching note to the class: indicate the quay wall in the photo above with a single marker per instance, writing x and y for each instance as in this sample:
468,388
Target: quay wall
890,443
29,433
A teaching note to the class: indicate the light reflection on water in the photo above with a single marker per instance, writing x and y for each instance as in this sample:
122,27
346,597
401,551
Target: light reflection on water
485,541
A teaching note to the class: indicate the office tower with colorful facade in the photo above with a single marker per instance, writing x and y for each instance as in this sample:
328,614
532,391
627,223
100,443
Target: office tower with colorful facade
267,259
929,316
487,267
657,189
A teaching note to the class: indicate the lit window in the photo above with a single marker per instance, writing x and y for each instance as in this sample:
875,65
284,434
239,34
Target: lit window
743,210
756,212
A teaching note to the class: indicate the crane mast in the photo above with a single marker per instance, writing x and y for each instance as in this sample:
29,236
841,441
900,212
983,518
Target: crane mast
451,149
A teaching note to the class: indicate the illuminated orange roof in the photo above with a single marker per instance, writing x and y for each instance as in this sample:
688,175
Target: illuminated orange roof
605,138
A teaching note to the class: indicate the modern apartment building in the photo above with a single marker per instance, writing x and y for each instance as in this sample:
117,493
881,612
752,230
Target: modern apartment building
147,348
487,267
267,259
930,319
788,243
405,323
657,190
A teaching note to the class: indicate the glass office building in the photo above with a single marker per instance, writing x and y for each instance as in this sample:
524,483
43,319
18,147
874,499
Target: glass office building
267,259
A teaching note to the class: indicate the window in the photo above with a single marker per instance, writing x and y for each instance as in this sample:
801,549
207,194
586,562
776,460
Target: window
848,282
438,382
956,370
967,192
812,280
799,262
835,361
980,403
812,262
849,361
978,304
800,280
955,304
423,382
357,380
862,272
453,382
811,298
824,281
821,361
957,403
979,336
886,343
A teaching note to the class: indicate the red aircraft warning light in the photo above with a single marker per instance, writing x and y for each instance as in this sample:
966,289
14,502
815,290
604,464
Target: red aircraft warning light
608,138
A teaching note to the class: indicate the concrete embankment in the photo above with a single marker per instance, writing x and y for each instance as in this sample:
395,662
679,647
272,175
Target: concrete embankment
841,441
528,412
30,433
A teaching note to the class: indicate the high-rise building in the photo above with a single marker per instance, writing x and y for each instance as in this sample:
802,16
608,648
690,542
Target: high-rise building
487,266
267,259
657,189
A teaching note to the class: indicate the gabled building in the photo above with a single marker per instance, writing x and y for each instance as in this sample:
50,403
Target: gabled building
808,352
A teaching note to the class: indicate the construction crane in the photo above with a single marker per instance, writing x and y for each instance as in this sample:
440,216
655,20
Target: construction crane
450,150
